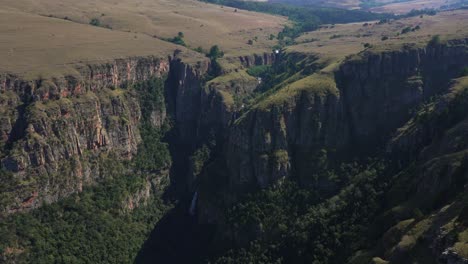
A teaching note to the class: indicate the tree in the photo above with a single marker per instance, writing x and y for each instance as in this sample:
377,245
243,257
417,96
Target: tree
215,52
180,34
250,42
435,40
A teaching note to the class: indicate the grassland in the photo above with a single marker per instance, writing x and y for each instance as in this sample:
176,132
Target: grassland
381,6
333,43
34,45
401,7
318,84
50,36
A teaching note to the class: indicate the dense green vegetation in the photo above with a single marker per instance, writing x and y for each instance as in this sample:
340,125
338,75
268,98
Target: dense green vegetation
259,71
299,225
153,154
96,226
7,184
91,227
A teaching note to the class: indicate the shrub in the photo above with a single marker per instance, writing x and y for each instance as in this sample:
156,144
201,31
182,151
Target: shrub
199,49
435,40
215,52
95,22
406,30
335,36
179,39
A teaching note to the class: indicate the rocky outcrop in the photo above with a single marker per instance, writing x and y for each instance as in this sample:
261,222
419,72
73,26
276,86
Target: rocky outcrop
258,59
152,185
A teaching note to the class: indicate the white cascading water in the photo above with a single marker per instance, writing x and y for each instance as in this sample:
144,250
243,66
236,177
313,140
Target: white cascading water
193,205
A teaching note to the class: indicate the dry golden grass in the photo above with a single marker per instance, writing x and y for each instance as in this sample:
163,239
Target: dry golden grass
36,39
202,24
404,7
33,45
333,43
385,6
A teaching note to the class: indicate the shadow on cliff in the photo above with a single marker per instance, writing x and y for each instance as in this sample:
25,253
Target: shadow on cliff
177,238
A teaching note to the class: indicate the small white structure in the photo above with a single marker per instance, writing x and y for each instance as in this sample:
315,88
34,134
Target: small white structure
276,51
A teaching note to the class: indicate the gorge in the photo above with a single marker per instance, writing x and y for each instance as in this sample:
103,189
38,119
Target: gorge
338,147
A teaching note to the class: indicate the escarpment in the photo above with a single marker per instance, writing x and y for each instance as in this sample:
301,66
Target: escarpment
406,107
351,113
54,131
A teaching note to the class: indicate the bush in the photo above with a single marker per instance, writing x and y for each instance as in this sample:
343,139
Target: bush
95,22
435,40
406,30
179,39
215,53
199,49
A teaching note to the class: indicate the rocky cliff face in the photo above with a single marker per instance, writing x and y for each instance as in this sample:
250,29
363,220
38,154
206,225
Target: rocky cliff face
258,59
374,95
379,89
435,140
53,131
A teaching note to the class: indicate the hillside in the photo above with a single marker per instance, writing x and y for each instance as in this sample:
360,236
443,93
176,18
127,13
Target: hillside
382,6
336,42
52,37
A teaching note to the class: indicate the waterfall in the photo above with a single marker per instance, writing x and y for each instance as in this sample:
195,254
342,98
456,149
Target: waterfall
193,205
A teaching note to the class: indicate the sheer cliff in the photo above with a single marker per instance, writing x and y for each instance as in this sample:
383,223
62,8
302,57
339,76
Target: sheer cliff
54,131
349,113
